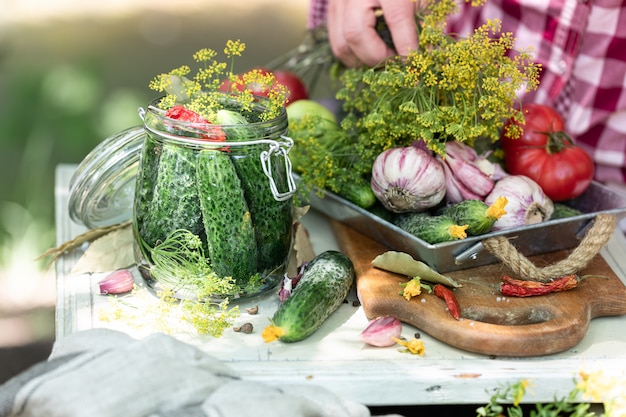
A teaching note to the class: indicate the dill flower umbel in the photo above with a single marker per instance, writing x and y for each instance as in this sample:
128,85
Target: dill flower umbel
203,92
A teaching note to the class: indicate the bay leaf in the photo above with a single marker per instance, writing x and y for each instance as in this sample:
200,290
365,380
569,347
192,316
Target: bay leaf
404,264
108,253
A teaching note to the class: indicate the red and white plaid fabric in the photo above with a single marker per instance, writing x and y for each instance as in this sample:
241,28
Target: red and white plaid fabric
582,47
317,13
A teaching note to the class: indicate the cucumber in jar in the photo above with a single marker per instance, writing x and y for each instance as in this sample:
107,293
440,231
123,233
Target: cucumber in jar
228,225
168,198
271,218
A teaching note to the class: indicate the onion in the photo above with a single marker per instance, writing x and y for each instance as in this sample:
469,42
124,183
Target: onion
381,331
527,203
408,179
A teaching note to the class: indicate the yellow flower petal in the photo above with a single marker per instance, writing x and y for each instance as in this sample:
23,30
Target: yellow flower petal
271,333
412,288
496,210
413,346
458,232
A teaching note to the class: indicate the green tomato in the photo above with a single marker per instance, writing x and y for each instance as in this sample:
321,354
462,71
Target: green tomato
298,109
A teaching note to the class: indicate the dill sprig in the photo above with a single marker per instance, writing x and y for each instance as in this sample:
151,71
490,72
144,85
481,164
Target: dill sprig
506,402
169,314
179,262
450,88
319,154
202,93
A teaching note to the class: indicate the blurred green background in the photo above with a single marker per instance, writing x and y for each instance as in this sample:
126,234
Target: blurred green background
73,72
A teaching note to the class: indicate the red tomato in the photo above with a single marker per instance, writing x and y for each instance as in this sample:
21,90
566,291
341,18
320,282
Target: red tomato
546,154
295,85
296,88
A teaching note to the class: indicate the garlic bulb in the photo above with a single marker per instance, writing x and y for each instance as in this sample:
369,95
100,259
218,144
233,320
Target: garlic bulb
408,179
527,203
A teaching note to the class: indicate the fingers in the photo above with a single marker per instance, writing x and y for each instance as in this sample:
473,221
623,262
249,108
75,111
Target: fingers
400,18
352,29
351,32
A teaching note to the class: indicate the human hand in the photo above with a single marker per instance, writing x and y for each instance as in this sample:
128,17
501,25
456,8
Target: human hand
352,29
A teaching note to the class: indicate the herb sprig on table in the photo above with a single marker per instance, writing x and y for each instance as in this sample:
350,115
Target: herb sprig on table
590,386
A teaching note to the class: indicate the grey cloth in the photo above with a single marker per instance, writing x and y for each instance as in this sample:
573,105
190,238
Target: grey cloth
104,373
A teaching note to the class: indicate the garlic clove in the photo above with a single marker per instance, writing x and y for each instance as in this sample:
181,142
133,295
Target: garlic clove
475,179
382,331
467,176
457,190
118,282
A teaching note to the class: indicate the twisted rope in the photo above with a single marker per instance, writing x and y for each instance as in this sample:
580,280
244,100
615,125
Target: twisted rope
595,238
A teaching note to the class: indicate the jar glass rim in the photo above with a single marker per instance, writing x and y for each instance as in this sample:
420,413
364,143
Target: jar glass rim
257,106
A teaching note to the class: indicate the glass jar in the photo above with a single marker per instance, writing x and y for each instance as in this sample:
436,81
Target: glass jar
212,204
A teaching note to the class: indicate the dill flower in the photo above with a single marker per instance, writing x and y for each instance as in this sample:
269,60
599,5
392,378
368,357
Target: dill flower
201,92
599,387
449,88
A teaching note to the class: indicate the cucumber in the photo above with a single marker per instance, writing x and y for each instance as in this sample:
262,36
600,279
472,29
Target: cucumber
380,211
272,219
168,199
476,214
227,222
144,192
358,192
322,288
562,211
431,229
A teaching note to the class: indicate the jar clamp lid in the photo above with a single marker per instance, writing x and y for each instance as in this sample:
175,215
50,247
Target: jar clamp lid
102,188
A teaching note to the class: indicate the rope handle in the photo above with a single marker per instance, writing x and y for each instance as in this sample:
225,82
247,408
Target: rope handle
595,238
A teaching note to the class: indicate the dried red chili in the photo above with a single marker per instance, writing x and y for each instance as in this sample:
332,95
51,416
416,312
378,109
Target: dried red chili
522,288
448,296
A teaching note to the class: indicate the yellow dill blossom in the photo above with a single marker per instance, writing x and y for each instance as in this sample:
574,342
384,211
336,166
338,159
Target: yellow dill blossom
168,314
496,210
598,387
201,92
413,288
458,232
413,346
204,55
234,48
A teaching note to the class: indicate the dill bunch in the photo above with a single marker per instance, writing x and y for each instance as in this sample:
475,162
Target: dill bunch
324,158
201,92
450,88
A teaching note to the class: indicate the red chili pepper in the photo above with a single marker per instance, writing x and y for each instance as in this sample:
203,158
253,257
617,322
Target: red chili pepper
448,296
214,133
521,288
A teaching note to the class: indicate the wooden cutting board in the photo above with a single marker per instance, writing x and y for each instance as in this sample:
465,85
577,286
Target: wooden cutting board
491,324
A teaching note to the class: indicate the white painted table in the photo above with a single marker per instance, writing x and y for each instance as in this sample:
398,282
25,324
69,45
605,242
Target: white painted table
335,358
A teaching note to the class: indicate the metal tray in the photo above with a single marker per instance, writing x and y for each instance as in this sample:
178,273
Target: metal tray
530,240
